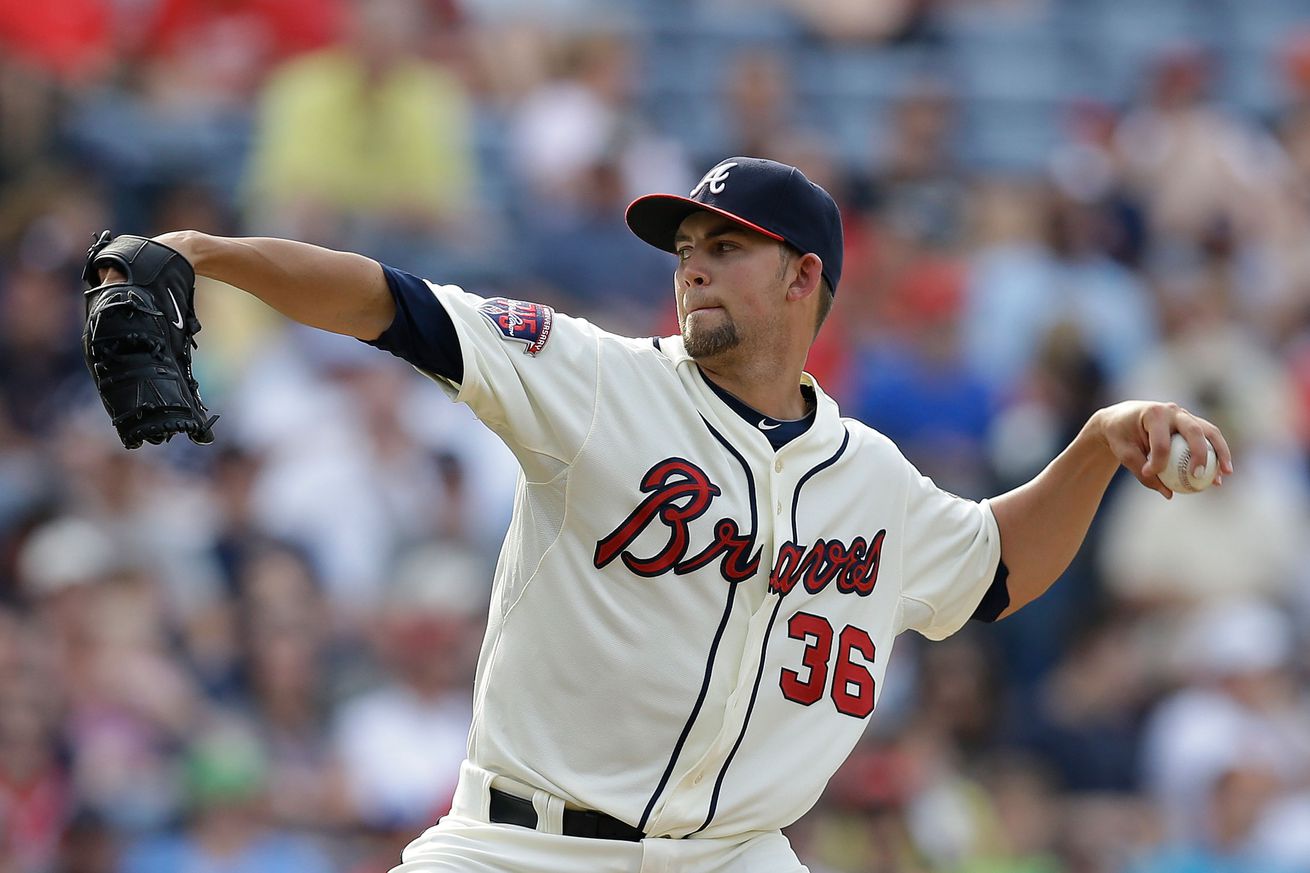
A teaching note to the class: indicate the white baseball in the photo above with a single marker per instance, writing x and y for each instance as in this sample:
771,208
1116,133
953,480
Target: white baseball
1177,474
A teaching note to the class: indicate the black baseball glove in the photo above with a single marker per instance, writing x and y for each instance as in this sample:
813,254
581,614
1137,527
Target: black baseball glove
138,340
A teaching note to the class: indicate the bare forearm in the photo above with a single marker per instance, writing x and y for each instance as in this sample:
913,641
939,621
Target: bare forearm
336,291
1043,522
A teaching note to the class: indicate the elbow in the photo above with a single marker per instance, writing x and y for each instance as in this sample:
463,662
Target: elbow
1022,590
374,320
373,309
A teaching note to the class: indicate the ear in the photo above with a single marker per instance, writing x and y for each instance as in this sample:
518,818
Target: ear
806,278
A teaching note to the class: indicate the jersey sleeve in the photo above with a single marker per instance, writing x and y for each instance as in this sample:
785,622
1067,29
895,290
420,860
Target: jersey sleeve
422,332
951,558
528,373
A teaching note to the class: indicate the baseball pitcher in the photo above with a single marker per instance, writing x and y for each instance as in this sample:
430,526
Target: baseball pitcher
708,565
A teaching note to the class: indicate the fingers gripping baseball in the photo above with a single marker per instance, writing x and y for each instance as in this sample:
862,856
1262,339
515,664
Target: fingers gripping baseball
1139,434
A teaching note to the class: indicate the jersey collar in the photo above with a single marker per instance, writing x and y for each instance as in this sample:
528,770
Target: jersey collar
817,431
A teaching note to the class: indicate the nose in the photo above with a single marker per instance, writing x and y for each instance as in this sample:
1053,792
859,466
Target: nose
692,274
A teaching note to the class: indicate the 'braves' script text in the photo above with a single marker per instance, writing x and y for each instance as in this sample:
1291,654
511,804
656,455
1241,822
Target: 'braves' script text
678,492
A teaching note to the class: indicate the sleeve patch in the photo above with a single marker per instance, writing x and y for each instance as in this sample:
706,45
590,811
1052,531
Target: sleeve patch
528,323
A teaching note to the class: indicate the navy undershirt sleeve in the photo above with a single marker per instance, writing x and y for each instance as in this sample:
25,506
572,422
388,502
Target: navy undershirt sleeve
997,598
422,332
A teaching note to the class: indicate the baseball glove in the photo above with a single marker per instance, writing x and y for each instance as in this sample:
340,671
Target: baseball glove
138,340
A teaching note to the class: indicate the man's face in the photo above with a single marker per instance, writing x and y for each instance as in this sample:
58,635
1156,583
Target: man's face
729,285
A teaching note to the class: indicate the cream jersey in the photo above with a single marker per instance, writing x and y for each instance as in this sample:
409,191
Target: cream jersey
689,630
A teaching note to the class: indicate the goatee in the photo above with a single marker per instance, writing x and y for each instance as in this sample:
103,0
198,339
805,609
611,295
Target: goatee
709,342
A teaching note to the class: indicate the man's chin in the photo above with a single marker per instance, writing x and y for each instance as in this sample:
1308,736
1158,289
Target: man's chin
709,341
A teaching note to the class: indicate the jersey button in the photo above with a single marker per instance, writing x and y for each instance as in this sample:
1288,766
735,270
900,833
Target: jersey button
779,507
777,466
700,777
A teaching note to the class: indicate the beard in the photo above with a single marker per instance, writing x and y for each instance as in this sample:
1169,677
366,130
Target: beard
710,341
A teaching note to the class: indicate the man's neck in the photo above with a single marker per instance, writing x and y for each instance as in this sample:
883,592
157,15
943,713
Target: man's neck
778,396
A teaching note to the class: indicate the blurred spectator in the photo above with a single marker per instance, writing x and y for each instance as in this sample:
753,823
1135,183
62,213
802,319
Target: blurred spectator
1156,554
1086,168
1282,831
1196,163
71,39
1029,280
582,117
36,796
287,662
401,744
218,52
1025,807
1234,799
226,829
367,143
758,103
158,514
88,845
40,351
1284,314
353,487
958,688
1242,712
915,386
237,535
177,113
856,21
269,29
860,825
1114,312
1050,403
946,813
128,700
1090,711
918,186
28,116
477,473
1102,833
594,265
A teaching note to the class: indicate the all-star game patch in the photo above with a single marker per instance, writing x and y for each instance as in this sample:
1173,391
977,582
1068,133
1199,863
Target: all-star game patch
529,323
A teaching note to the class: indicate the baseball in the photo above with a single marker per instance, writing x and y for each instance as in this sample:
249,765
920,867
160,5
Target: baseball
1177,474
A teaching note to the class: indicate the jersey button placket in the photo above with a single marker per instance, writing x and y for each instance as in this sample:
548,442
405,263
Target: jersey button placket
775,487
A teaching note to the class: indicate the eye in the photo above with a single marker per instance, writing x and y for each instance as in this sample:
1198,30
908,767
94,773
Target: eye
683,252
723,246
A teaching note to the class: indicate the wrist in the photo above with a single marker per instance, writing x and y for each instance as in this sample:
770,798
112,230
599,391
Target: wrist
1096,432
190,244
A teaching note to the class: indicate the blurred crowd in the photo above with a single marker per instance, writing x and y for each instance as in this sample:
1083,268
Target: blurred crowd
258,656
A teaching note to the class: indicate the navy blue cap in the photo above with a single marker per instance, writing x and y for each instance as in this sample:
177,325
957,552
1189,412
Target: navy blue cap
766,196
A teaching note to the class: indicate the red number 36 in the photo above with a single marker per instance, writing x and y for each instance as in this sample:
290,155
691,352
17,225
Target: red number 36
852,683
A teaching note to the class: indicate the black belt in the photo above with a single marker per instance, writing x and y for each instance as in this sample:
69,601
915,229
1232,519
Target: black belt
508,809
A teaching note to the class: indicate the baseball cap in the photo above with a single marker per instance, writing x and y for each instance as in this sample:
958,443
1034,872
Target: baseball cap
766,196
